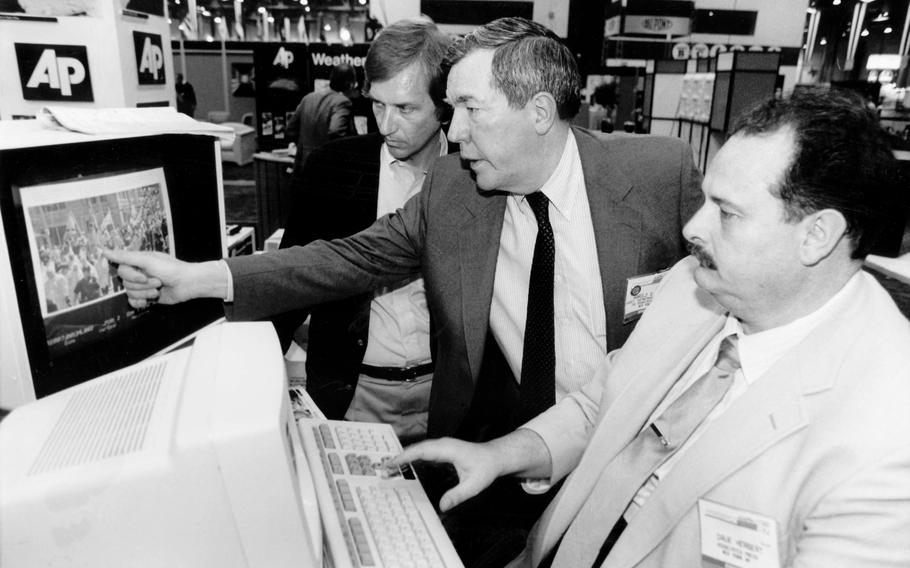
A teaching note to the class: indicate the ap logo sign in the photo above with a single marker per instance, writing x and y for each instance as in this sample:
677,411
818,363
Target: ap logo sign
149,58
54,72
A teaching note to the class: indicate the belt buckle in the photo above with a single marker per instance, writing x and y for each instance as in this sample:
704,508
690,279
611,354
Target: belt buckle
409,374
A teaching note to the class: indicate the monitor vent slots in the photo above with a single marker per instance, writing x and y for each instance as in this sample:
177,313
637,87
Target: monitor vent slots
103,420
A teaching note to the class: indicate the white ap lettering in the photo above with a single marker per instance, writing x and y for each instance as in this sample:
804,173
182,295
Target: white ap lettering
283,58
60,73
152,59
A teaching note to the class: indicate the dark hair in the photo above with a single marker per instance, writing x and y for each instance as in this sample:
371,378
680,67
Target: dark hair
343,77
401,44
841,160
528,59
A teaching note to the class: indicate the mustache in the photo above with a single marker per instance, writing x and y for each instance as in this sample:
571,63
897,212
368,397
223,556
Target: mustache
701,255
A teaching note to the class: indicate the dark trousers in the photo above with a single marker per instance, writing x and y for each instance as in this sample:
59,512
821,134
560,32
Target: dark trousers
490,529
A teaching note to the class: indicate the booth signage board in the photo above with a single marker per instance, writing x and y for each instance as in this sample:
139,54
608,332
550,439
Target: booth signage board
54,72
285,72
149,50
281,81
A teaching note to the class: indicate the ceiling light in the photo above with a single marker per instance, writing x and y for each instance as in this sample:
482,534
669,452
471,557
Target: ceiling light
327,27
271,19
261,9
362,2
307,9
823,42
344,34
888,30
864,33
835,3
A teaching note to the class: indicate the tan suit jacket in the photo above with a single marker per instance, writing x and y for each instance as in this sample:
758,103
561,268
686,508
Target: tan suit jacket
821,442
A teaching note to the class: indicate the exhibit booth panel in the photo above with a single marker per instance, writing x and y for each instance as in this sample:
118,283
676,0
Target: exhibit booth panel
105,57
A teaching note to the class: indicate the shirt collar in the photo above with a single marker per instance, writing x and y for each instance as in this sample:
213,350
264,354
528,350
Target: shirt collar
758,352
389,160
559,187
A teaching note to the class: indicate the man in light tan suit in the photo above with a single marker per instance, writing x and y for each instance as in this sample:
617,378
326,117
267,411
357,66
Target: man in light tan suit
803,458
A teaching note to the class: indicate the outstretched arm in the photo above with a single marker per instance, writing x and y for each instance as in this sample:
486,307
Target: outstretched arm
150,277
521,453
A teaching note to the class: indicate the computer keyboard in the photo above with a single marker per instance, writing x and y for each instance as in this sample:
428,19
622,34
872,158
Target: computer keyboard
372,516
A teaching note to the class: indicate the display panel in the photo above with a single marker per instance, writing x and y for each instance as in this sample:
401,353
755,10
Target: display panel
62,204
68,226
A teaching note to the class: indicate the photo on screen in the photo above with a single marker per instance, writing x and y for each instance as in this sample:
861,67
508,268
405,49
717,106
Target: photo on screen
69,224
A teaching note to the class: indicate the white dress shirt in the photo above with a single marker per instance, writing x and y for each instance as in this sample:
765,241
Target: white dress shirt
580,318
399,333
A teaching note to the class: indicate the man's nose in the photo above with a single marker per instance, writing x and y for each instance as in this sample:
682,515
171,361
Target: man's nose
458,131
693,229
386,122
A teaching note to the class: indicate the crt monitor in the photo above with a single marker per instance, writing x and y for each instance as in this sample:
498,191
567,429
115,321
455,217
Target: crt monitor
192,458
65,315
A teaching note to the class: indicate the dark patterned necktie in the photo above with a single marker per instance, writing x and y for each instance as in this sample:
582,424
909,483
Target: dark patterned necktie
538,360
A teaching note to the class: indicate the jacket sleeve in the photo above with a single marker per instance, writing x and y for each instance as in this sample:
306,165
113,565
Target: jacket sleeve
302,276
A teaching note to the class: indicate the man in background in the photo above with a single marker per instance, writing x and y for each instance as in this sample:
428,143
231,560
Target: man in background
756,415
186,96
374,348
323,115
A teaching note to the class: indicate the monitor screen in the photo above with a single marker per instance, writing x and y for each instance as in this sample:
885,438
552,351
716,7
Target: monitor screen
61,205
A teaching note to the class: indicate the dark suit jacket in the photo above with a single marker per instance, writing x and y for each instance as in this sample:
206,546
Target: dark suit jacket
641,190
321,116
337,198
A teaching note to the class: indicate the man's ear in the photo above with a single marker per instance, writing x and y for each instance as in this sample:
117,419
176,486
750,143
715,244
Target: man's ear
823,231
542,107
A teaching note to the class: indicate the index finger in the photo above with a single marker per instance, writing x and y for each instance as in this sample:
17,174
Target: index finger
429,450
135,258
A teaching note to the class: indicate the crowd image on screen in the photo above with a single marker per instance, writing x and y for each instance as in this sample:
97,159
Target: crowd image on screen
71,236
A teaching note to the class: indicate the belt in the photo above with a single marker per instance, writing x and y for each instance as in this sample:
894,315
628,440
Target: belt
406,374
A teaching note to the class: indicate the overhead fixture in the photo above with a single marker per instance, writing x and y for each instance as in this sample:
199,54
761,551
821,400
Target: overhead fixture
362,2
304,2
888,30
271,19
307,9
344,34
327,27
864,33
217,19
835,3
261,9
823,42
883,17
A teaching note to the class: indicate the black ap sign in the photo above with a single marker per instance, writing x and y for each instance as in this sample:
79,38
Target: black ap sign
54,72
149,58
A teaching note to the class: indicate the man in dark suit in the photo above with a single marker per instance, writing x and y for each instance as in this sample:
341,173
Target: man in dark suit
324,114
378,342
639,192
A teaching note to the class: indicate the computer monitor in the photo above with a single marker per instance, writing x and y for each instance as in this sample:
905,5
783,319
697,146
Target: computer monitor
65,316
192,458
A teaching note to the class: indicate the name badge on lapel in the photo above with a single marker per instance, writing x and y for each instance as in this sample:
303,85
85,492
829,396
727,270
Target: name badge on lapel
736,538
639,293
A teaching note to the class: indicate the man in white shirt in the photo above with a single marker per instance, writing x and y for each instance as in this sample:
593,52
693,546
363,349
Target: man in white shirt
368,356
801,457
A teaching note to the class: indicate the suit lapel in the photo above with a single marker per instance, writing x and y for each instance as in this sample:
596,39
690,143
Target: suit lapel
617,227
478,248
687,320
768,412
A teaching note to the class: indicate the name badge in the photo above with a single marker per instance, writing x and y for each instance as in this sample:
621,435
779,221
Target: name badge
639,293
735,538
